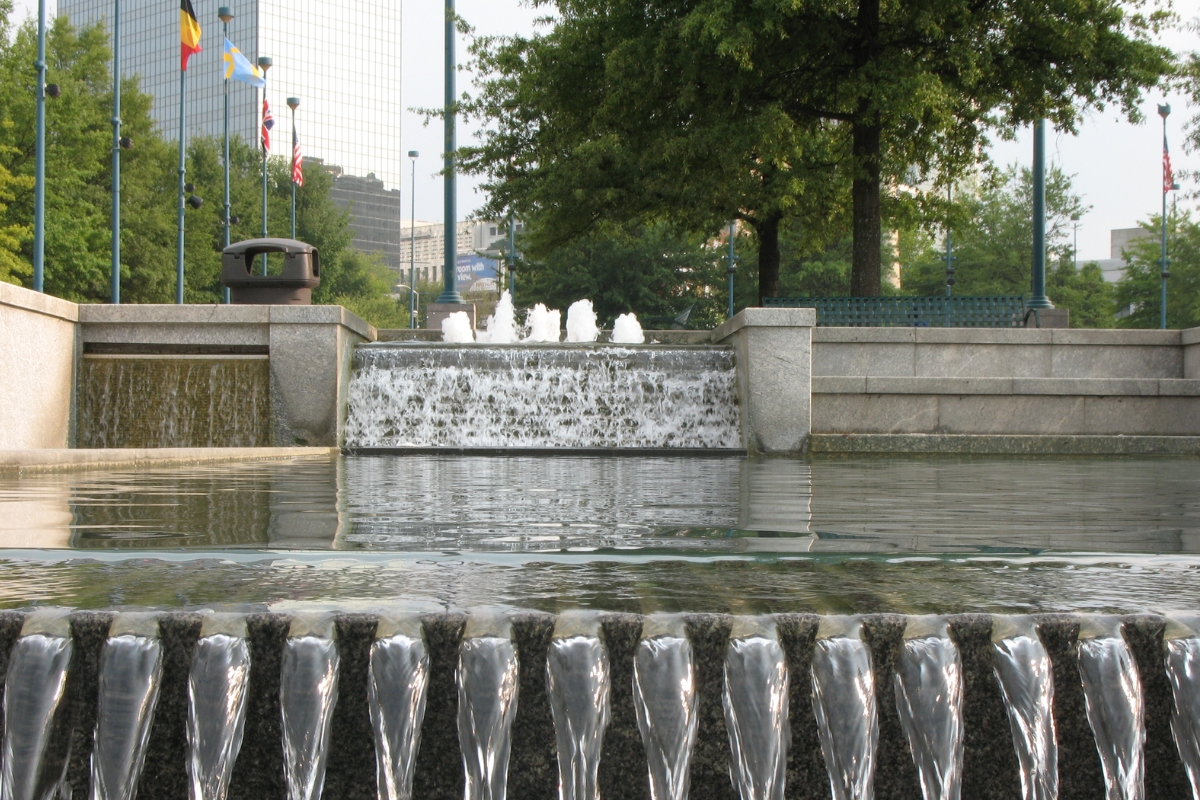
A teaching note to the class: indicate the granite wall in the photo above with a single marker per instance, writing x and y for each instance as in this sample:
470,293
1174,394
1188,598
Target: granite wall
38,361
990,765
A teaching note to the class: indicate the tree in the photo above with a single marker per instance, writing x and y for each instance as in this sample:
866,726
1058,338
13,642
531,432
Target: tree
695,110
1141,287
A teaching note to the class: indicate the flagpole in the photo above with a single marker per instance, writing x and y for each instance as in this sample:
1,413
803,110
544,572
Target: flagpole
225,15
115,271
264,63
450,270
39,186
1163,111
182,171
293,102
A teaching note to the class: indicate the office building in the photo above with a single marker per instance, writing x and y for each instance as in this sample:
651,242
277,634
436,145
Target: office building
481,250
340,57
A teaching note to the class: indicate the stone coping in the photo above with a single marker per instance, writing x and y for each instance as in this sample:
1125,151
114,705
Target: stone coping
969,444
37,302
1093,387
139,314
22,461
660,337
1016,336
766,318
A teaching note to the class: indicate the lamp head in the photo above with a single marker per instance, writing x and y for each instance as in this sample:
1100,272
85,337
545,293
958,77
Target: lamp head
413,154
125,142
53,90
264,63
293,103
1164,109
1174,187
234,219
1074,218
224,14
195,202
189,187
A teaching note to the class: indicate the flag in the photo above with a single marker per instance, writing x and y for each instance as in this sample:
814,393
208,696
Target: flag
238,67
1168,175
297,160
189,32
268,122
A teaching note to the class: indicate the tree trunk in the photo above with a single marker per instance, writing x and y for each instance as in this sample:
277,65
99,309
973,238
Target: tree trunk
768,257
866,271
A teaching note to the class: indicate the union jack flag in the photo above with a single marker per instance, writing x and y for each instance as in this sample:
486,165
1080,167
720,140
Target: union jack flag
268,122
1168,175
297,160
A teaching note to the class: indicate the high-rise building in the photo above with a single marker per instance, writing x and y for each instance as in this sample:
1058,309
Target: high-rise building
340,57
482,245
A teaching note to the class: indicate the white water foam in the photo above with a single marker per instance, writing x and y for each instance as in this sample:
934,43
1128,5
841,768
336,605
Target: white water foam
496,396
581,322
456,328
544,325
627,330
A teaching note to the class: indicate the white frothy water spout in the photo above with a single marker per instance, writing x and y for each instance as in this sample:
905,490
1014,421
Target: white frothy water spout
664,697
929,700
397,685
308,692
756,709
217,695
627,330
543,324
581,322
33,690
130,677
502,324
1112,693
843,697
1026,679
487,705
456,329
578,678
1182,639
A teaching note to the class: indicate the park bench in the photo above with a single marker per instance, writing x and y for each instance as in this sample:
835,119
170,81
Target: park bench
914,312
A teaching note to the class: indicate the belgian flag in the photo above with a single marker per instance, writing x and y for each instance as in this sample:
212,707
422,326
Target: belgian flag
189,31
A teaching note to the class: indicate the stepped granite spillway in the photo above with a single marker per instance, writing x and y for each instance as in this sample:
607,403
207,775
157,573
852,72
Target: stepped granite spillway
543,396
487,705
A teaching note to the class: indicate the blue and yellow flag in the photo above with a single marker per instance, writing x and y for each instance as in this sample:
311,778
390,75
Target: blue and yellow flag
238,67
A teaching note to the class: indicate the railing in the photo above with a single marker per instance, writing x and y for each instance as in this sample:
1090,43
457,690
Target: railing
918,312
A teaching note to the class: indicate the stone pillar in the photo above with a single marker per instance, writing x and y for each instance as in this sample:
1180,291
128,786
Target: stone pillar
774,367
1190,339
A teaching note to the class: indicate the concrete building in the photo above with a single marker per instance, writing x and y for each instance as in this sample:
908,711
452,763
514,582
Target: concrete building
374,213
474,238
340,57
1121,240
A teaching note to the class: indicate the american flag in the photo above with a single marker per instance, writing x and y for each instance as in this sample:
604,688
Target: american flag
297,160
1168,175
268,122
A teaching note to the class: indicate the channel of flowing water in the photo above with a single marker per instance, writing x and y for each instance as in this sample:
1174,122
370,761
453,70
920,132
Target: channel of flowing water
1026,679
542,396
487,704
664,697
929,700
843,697
578,681
308,693
1112,692
130,679
217,695
1182,639
755,702
33,690
397,684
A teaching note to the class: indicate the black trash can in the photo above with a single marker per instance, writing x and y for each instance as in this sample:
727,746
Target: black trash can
301,273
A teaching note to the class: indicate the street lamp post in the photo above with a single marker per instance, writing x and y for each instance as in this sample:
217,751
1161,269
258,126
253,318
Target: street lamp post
39,186
732,269
1163,111
225,14
950,279
512,255
412,245
1038,297
114,274
293,104
264,64
450,271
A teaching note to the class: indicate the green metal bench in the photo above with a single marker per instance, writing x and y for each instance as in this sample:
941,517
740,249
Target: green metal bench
912,312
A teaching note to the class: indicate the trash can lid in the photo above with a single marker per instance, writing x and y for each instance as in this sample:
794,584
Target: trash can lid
290,246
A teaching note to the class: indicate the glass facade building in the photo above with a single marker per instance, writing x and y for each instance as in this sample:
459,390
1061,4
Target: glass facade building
340,57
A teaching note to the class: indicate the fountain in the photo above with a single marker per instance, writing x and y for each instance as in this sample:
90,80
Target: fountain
217,687
627,330
1113,693
756,709
577,680
843,692
308,693
399,680
929,701
1026,679
487,704
664,696
581,322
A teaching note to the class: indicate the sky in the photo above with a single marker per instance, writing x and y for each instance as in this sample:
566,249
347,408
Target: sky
1116,165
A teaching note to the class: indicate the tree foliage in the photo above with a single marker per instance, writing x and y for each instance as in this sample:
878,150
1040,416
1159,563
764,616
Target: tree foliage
699,111
1141,287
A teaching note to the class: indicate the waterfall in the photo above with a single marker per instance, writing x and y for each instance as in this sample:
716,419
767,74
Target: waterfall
578,678
33,689
217,684
130,677
397,682
756,709
664,697
1026,679
1113,698
487,705
843,692
1183,671
929,700
542,396
308,691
